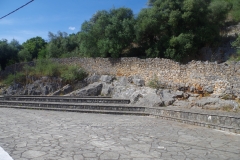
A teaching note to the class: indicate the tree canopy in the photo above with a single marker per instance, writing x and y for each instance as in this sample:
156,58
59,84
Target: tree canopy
8,52
107,34
174,29
32,47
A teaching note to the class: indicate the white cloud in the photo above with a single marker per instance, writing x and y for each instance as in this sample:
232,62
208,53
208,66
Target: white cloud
72,28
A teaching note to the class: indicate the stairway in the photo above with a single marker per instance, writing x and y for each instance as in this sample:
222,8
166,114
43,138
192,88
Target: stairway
105,105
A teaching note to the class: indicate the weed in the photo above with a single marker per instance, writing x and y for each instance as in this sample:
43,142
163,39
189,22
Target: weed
227,108
155,83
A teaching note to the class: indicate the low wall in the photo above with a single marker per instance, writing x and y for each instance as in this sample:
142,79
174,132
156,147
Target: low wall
195,73
220,121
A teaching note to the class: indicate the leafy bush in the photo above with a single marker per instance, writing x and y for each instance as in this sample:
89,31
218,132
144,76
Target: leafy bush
236,44
73,73
19,77
46,67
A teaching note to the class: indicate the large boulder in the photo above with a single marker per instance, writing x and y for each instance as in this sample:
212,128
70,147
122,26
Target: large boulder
107,89
106,78
216,104
45,90
36,92
207,101
139,96
137,80
150,99
167,96
90,90
93,78
14,89
123,81
182,104
65,90
127,92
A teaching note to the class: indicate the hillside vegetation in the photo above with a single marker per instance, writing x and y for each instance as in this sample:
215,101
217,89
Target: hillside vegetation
45,67
174,29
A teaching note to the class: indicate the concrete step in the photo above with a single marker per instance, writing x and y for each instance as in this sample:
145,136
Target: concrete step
58,96
79,110
65,99
86,106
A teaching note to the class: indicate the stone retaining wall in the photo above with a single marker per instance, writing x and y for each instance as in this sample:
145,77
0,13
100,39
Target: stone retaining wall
197,74
209,120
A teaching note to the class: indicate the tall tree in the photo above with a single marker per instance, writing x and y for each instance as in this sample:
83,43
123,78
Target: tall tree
62,44
176,29
34,46
8,52
107,33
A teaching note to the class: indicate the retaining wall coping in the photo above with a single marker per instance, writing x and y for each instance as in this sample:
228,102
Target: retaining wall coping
77,104
30,96
81,110
81,98
201,112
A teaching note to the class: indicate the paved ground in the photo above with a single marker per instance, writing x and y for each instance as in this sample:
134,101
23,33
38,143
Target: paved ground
49,135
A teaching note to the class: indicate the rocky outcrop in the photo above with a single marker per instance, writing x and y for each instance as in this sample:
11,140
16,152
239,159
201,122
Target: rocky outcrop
196,76
133,88
91,90
216,104
65,90
42,86
106,78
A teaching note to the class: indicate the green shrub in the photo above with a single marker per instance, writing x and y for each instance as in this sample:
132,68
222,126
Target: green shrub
19,77
46,67
155,83
236,45
53,69
73,73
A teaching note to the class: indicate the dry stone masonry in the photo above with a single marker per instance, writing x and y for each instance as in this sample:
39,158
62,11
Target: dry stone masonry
195,76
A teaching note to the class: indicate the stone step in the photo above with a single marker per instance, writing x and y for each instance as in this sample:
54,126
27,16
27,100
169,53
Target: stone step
65,99
79,110
86,106
58,96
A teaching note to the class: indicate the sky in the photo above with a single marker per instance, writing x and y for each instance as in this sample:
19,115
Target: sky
43,16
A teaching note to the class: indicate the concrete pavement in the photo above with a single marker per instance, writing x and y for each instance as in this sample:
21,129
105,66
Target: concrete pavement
50,135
